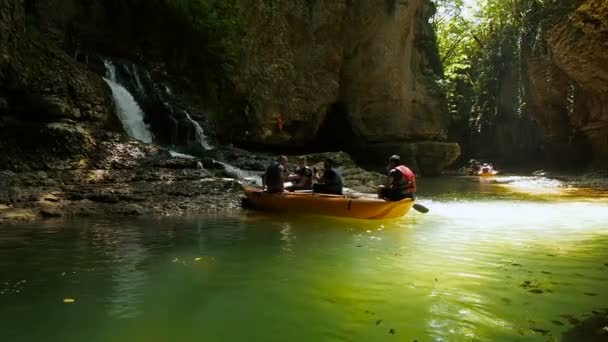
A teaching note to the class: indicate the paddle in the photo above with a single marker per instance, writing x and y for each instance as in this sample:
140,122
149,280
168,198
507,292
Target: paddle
420,208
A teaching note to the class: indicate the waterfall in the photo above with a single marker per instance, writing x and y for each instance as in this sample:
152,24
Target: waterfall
571,99
129,112
140,85
521,91
201,138
250,176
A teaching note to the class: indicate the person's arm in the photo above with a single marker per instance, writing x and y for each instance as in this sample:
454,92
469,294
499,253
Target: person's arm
304,177
316,174
282,173
390,179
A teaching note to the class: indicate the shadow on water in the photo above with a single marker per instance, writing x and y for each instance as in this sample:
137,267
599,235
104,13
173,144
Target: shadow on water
594,328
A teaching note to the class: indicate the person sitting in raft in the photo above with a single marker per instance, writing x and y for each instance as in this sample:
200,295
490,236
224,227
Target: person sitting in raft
301,177
331,180
485,168
474,167
401,181
273,178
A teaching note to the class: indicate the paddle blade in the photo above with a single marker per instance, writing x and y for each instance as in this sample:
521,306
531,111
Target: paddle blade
421,208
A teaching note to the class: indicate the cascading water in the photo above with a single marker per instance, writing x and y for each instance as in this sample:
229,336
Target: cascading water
132,116
521,91
140,85
129,112
252,177
200,137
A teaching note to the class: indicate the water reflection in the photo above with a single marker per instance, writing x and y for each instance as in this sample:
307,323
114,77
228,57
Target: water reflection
505,267
510,187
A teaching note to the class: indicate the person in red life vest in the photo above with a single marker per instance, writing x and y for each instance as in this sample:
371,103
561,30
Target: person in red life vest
401,182
280,123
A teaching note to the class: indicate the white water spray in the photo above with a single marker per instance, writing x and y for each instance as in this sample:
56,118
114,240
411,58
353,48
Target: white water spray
129,112
201,138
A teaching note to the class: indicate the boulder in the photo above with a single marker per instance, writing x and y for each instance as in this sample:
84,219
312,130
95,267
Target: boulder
569,86
340,75
427,157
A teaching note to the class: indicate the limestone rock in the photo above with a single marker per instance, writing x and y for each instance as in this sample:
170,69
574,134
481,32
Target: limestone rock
15,214
341,73
425,157
570,90
51,212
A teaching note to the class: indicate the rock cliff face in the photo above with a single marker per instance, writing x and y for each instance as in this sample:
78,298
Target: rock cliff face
39,79
49,104
569,86
340,75
349,75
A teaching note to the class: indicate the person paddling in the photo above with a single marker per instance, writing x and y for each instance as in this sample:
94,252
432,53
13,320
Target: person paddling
273,178
331,180
401,181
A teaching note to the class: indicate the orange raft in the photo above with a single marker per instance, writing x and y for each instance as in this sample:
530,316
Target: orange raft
330,205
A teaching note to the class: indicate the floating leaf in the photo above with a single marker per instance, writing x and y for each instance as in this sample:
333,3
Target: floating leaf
198,259
69,300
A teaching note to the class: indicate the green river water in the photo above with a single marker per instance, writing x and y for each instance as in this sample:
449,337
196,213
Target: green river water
506,259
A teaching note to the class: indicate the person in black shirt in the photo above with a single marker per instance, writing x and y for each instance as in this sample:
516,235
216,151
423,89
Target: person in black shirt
331,180
302,177
273,179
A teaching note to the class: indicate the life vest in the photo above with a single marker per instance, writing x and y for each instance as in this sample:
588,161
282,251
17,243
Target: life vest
409,176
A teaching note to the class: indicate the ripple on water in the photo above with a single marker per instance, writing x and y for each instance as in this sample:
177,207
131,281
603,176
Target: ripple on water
504,268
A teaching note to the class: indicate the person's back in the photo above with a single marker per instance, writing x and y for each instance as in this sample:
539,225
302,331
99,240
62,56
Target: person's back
401,181
273,177
404,180
331,182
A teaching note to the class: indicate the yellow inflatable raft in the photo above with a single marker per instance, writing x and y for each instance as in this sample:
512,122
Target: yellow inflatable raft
330,205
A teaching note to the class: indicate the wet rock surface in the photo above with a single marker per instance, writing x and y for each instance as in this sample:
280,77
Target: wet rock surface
112,176
85,170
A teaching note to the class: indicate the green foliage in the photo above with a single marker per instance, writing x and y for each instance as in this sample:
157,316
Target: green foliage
197,41
211,25
484,51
